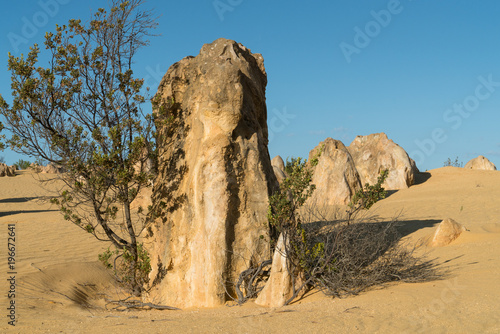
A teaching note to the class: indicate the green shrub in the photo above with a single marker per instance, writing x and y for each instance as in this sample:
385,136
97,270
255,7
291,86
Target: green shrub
127,271
364,198
22,164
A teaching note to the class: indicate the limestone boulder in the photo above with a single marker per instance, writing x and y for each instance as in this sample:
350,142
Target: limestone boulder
52,168
376,152
480,163
278,163
35,167
6,170
279,168
278,288
211,195
335,175
447,231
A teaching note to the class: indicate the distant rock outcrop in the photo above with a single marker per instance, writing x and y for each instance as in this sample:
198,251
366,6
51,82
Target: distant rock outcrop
35,167
279,168
335,175
7,170
447,231
52,168
481,163
376,152
210,198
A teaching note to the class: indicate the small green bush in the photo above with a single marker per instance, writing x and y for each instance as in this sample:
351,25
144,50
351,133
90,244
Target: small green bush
364,198
22,164
128,272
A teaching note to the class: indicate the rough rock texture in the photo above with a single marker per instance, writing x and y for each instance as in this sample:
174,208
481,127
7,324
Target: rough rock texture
335,175
447,231
52,168
481,163
6,170
279,168
278,288
278,162
376,152
210,198
35,167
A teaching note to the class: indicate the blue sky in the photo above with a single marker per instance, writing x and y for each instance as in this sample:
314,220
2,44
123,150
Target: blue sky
427,73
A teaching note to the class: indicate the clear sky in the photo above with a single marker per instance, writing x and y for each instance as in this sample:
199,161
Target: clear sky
425,72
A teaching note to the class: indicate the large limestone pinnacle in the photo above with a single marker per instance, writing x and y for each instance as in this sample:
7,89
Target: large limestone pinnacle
214,177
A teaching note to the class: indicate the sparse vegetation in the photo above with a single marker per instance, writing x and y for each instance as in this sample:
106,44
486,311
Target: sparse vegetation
1,137
22,164
451,163
363,199
83,112
341,257
128,270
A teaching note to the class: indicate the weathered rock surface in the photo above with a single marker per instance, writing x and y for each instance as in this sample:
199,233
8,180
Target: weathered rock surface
376,152
480,163
52,168
215,176
35,167
279,168
447,231
278,288
335,175
6,170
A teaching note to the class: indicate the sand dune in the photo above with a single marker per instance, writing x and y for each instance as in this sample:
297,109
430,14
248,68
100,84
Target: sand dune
61,284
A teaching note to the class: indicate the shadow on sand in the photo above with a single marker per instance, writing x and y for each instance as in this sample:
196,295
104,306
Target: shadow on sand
422,177
17,200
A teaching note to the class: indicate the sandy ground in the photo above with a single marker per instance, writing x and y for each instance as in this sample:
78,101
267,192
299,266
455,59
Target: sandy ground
57,272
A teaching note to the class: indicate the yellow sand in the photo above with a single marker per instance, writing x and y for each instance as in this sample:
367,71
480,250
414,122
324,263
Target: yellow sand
56,265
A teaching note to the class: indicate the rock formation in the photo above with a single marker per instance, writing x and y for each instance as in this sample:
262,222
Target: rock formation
376,152
447,231
335,175
6,170
35,167
210,198
52,168
278,288
481,163
278,168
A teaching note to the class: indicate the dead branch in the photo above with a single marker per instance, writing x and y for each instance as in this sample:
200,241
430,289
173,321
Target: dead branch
126,304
